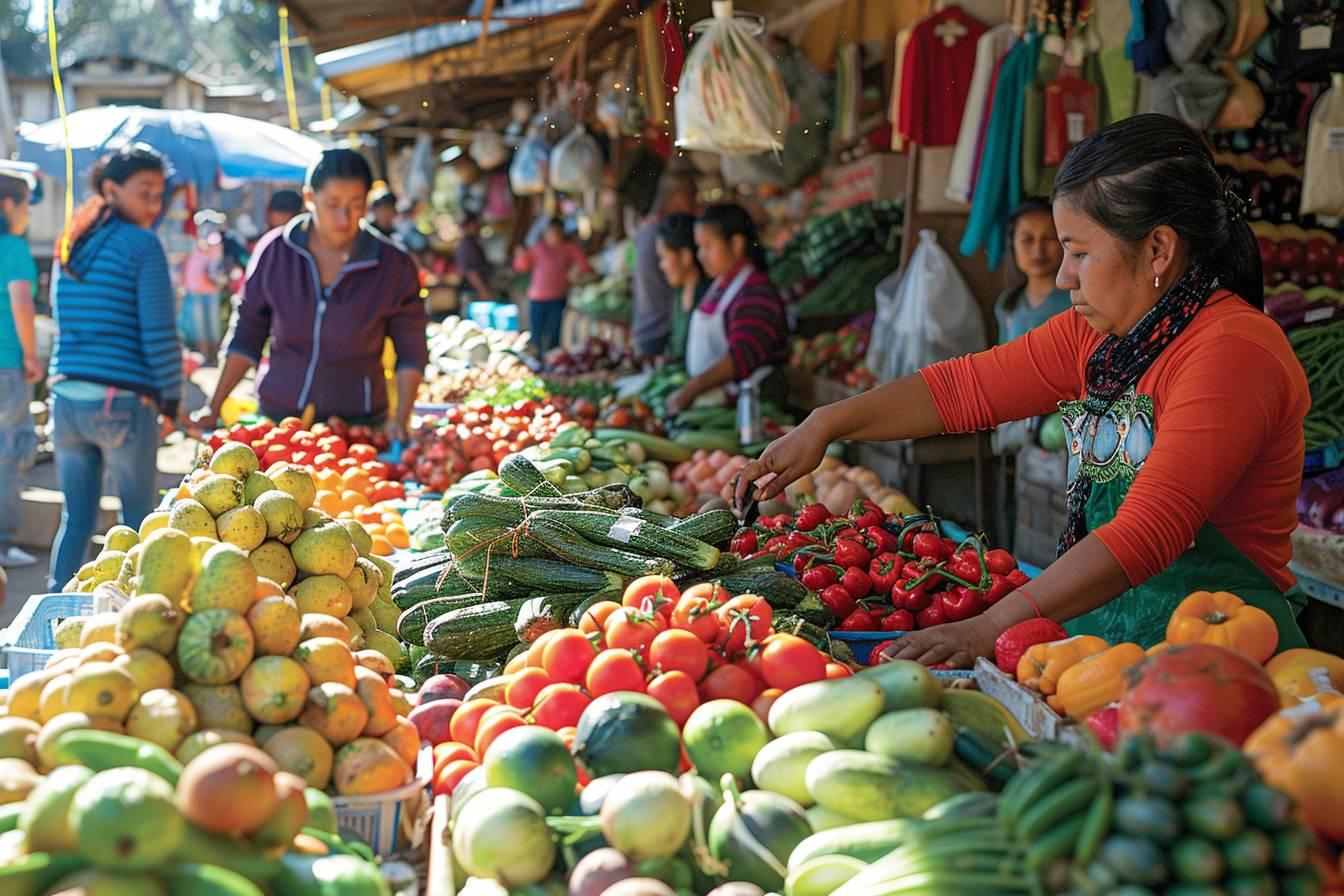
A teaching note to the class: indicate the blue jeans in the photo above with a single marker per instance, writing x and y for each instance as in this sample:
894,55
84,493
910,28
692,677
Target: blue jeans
121,435
18,448
546,318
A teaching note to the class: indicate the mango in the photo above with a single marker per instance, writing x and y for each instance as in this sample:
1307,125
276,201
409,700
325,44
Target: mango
242,527
272,561
190,516
227,580
218,493
234,459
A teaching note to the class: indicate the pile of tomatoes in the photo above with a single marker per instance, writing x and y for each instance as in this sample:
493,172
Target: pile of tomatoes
472,437
331,446
680,649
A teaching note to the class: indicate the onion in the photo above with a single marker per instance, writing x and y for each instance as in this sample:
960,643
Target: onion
1337,519
1323,509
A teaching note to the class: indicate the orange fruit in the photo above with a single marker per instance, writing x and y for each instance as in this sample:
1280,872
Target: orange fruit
328,502
381,546
391,516
353,500
369,516
397,534
356,478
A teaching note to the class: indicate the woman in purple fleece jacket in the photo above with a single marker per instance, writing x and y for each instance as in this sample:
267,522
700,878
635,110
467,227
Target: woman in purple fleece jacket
326,290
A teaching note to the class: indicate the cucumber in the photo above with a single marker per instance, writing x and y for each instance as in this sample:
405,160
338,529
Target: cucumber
874,788
412,621
712,526
523,476
710,440
559,540
867,842
623,531
544,574
483,630
656,447
985,757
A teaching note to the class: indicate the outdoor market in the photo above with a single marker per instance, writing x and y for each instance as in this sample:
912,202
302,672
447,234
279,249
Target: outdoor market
672,448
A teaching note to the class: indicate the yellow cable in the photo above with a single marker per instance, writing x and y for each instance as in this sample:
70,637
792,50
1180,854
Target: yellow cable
326,101
284,62
65,127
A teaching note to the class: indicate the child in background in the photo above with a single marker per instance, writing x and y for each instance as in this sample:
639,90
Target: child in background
200,323
553,259
19,366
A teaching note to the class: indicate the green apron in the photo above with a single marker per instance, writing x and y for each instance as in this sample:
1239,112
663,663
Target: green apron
1109,451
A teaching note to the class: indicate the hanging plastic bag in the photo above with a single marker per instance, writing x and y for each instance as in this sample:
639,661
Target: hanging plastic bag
1322,186
731,98
931,316
527,171
488,150
576,163
420,171
807,139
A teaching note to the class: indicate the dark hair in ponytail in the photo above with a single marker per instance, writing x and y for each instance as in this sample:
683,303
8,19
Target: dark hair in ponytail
1142,172
730,220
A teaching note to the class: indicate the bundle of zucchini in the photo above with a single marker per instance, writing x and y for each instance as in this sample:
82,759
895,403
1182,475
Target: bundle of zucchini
513,568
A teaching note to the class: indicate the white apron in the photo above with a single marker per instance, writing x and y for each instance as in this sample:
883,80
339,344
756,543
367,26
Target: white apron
707,338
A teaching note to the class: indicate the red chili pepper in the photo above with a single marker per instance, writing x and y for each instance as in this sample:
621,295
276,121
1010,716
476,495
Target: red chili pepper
858,621
857,583
934,614
819,578
1000,562
865,513
744,543
899,621
777,543
1018,578
851,553
928,546
838,600
885,571
808,557
798,539
962,603
999,588
966,565
812,516
914,598
882,540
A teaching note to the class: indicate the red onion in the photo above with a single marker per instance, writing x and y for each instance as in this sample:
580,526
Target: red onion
1337,520
1323,509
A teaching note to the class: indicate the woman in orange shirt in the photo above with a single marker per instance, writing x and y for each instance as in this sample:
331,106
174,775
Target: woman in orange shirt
1182,400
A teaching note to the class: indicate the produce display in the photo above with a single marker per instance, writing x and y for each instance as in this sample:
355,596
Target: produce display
596,356
841,355
606,299
474,437
464,357
837,486
1317,347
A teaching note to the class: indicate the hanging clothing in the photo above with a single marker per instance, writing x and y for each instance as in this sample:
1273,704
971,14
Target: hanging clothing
1216,424
936,76
998,188
902,44
1149,52
989,52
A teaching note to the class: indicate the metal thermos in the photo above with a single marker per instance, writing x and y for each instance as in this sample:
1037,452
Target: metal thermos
749,430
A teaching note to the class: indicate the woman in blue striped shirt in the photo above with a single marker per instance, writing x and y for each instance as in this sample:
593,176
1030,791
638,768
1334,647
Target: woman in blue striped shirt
117,363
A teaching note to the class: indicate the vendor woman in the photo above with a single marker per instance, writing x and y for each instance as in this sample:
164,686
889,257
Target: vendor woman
739,332
1183,403
327,290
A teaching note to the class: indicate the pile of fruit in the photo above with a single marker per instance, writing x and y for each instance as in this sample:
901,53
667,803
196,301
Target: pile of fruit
880,572
596,356
464,357
838,486
334,445
840,355
709,475
110,814
474,437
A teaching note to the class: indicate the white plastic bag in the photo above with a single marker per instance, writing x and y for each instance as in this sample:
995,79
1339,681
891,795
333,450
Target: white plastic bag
805,140
527,171
931,316
730,99
420,171
576,163
488,150
1322,183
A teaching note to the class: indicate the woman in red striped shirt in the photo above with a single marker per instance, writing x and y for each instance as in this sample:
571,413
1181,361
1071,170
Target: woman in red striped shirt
1183,403
740,331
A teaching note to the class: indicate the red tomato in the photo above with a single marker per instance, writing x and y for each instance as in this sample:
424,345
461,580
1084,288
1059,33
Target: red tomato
713,592
747,617
559,706
695,614
838,670
729,683
632,629
362,453
493,727
614,670
595,617
789,661
679,650
650,593
537,652
676,691
325,461
467,718
446,781
450,751
523,688
764,700
567,656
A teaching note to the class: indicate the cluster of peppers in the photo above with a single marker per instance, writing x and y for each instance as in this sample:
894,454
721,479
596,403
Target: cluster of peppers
881,572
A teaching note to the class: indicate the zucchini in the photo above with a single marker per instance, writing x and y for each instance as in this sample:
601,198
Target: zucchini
474,540
411,623
576,615
543,574
473,671
482,630
561,541
615,530
521,475
712,527
434,559
656,447
710,440
538,615
985,757
514,510
452,582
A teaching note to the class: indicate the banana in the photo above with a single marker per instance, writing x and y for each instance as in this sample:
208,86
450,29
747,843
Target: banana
1064,803
973,709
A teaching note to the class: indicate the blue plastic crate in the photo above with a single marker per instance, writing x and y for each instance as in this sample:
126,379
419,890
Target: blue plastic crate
482,313
505,317
31,638
861,644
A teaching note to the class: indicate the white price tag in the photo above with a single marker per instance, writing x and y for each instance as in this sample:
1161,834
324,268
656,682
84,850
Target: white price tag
625,528
1334,138
1075,124
1317,314
1315,37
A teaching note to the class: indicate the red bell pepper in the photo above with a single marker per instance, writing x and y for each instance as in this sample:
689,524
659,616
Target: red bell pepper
885,571
838,600
965,565
934,614
1104,724
812,516
858,621
1018,578
778,544
999,588
744,543
963,603
899,621
1000,562
857,583
865,513
851,554
879,652
819,578
882,541
808,557
928,546
910,597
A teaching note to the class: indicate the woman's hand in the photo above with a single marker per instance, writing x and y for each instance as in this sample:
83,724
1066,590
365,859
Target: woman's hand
33,371
787,459
680,400
955,644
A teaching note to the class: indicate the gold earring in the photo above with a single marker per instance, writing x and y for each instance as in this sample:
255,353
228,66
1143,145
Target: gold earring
1157,283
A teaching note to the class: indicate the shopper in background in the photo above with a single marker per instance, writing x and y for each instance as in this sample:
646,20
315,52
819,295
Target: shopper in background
203,273
477,275
1038,255
19,365
383,212
325,290
117,362
552,260
282,208
681,269
740,331
654,297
